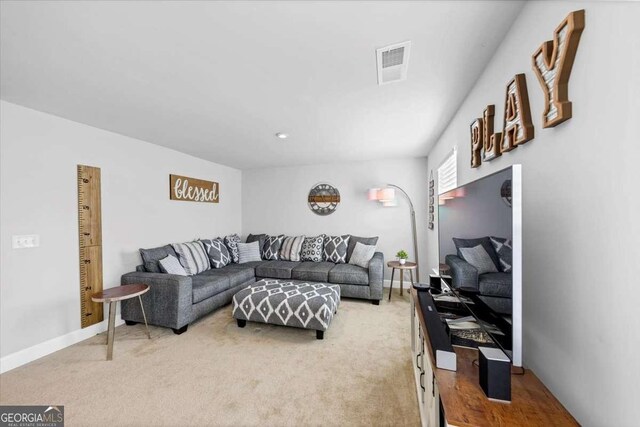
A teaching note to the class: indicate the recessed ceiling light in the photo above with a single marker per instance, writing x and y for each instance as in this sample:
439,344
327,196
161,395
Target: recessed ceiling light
282,135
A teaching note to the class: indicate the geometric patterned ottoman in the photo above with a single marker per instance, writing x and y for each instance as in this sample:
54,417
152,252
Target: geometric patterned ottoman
297,304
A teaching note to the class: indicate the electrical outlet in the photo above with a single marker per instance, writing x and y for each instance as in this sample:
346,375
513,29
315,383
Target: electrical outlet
25,241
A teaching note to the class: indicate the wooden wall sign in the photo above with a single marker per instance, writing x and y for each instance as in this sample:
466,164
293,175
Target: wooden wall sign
517,126
552,63
193,190
90,239
492,141
477,129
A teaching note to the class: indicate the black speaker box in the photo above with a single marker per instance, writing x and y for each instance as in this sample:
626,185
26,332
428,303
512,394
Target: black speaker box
495,373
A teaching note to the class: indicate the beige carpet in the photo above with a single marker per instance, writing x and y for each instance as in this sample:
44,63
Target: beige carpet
219,374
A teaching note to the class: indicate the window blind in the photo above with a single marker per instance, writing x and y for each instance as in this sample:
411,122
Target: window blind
448,173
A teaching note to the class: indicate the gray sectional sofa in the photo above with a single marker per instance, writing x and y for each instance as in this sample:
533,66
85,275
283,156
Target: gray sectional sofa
175,301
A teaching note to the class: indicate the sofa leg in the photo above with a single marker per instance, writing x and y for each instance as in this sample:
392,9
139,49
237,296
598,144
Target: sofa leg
181,330
375,302
241,323
130,322
319,335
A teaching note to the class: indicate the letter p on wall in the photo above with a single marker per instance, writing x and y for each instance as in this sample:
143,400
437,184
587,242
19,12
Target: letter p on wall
552,63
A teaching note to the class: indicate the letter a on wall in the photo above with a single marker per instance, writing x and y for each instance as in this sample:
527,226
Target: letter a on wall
517,127
552,64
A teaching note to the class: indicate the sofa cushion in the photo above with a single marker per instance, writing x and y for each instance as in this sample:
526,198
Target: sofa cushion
312,248
479,258
362,254
150,257
192,256
248,252
260,238
291,247
251,264
276,269
470,243
217,251
231,241
171,265
236,273
504,250
495,284
207,285
335,248
371,241
312,271
271,248
349,274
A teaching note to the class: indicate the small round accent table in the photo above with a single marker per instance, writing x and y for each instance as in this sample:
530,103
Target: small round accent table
444,269
395,265
112,296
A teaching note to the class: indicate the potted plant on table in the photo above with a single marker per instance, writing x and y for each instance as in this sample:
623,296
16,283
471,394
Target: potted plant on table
402,256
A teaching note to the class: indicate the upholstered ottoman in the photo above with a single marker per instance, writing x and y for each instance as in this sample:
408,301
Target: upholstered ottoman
297,304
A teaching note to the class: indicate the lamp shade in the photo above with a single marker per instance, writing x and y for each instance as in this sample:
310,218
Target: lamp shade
372,194
387,195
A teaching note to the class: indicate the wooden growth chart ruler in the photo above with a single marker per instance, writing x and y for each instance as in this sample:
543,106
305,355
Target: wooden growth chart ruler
90,238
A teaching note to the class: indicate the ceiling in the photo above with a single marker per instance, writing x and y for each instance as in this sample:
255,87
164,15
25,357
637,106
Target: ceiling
217,80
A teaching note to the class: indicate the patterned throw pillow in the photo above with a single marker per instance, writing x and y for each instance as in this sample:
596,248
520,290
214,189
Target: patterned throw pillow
335,248
192,256
217,251
271,248
291,247
171,265
231,241
248,252
312,249
479,258
362,254
504,249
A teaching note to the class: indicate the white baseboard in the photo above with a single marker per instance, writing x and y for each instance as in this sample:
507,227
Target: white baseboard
22,357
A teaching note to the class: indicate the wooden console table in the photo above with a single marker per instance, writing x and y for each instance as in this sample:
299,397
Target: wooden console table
458,398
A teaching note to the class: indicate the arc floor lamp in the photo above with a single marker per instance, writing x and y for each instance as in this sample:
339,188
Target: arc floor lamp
387,196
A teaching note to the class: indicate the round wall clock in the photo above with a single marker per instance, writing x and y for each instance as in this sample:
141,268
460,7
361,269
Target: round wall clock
323,199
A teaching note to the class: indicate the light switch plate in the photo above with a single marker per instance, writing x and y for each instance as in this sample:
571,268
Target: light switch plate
25,241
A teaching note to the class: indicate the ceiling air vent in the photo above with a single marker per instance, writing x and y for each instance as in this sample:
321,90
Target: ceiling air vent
393,62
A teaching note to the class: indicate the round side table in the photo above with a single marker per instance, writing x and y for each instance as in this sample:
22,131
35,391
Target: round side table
112,296
395,265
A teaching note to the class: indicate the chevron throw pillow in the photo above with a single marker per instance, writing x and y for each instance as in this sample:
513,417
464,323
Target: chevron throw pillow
504,249
335,248
217,251
271,249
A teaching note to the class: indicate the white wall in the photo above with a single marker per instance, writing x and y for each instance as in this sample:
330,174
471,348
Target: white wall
479,212
274,201
40,297
581,202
